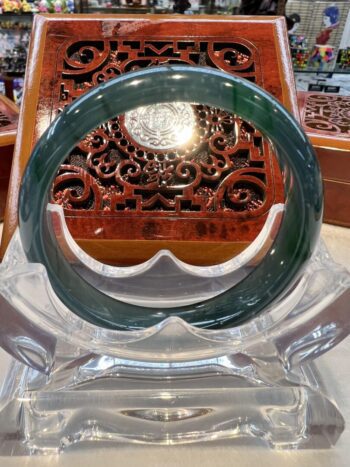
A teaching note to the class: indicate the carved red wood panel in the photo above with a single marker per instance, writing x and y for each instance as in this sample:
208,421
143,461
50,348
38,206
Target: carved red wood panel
326,120
114,185
224,171
327,114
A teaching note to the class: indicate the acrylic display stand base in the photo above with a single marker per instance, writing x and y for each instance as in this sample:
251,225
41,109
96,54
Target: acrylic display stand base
208,401
256,383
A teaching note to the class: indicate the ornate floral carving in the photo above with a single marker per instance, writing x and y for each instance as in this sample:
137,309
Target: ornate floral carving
225,167
328,114
83,191
98,60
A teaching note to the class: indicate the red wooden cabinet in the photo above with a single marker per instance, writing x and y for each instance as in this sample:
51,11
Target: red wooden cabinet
326,120
125,195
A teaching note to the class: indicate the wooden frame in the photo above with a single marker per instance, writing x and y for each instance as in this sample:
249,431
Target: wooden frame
266,36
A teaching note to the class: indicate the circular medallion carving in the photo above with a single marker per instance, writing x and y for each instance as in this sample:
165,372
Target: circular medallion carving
161,126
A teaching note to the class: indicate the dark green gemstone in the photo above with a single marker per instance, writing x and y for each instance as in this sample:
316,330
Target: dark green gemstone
282,265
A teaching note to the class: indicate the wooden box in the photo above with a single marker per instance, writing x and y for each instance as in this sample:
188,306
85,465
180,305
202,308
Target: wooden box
326,120
126,221
8,132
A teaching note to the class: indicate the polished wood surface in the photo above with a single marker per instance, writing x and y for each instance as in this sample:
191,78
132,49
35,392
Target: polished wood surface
8,132
69,55
337,202
326,120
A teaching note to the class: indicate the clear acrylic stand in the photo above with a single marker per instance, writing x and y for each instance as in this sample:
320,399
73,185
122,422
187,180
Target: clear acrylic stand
164,280
72,382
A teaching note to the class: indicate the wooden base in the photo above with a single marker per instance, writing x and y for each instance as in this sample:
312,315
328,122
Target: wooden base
127,253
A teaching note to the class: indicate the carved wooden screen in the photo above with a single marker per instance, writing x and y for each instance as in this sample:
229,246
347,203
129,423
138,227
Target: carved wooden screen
120,184
326,120
326,114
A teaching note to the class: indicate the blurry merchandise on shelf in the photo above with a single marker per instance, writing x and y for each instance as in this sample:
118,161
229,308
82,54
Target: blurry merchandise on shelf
15,6
181,6
15,26
54,6
185,6
300,58
120,5
132,2
36,6
323,82
227,6
14,39
299,51
297,42
17,89
331,16
315,32
14,60
164,6
322,58
260,7
315,28
343,60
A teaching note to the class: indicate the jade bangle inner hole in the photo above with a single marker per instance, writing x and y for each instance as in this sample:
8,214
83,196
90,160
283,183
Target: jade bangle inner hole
162,162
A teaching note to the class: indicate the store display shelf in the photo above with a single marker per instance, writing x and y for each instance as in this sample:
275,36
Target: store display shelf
11,74
118,10
322,72
16,16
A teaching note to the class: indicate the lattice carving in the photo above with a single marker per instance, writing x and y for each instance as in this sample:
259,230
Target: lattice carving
87,63
224,169
328,114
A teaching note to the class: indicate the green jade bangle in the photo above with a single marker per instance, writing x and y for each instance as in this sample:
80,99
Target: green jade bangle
280,268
